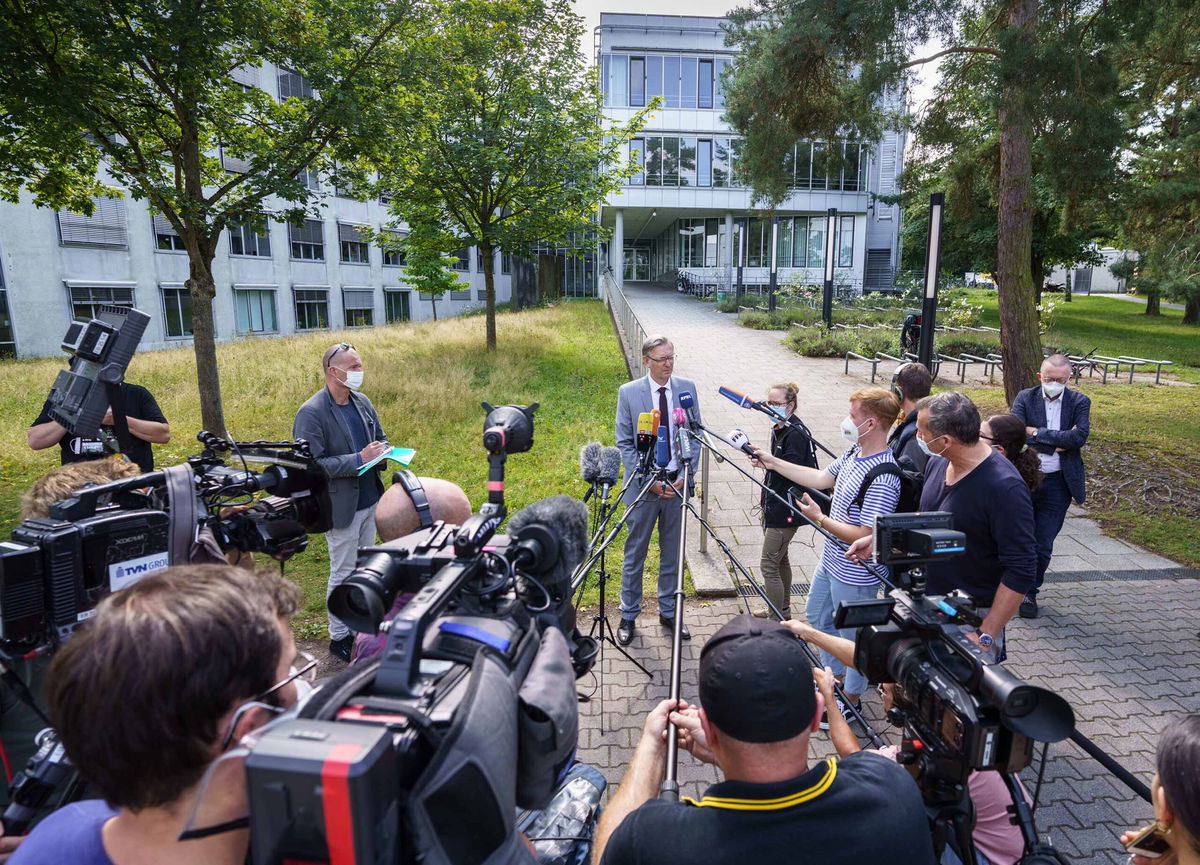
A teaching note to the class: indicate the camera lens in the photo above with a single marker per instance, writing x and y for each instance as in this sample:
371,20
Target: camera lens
365,597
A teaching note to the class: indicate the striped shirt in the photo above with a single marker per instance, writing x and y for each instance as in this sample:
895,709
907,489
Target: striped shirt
849,470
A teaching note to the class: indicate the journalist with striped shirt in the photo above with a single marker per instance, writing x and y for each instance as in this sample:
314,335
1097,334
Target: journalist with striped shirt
861,490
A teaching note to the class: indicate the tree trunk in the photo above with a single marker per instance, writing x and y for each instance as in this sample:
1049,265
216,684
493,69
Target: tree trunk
1153,299
486,251
1019,341
433,299
203,288
1067,285
1191,309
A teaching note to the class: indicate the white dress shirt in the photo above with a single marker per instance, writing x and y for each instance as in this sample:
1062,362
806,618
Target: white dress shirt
654,386
1051,462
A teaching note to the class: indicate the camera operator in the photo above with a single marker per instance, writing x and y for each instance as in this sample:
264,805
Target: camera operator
995,836
62,482
788,443
167,675
860,492
910,384
146,426
757,711
1175,792
343,431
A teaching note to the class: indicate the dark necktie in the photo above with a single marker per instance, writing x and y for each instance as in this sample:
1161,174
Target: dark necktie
663,411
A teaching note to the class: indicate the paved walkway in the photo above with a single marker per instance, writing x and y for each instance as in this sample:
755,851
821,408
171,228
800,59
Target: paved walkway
1117,637
1134,298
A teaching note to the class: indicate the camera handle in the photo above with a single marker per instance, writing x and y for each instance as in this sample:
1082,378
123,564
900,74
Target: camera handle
116,401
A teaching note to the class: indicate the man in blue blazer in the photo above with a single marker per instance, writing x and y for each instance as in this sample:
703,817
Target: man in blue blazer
1057,423
659,389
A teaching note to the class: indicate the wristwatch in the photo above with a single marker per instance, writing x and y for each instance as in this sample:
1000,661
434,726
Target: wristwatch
986,640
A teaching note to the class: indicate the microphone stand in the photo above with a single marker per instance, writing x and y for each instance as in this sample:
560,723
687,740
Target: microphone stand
670,784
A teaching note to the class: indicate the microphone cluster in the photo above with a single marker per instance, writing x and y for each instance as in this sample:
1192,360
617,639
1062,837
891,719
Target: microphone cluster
600,467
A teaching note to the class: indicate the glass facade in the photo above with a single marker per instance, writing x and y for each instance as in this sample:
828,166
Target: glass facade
682,80
685,160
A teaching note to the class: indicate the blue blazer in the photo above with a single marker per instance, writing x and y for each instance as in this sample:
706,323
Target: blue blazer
1030,407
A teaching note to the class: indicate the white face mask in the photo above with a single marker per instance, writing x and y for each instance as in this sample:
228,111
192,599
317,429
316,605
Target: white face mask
850,431
354,378
1053,389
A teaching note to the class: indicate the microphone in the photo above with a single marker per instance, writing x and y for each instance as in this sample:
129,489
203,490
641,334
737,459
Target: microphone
609,471
678,417
549,538
657,416
729,393
683,445
589,465
662,450
689,408
741,441
645,432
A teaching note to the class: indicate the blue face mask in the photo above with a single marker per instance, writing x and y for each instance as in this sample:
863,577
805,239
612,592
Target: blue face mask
780,412
925,448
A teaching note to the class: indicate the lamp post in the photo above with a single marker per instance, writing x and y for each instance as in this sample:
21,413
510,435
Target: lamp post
774,263
741,257
937,204
827,298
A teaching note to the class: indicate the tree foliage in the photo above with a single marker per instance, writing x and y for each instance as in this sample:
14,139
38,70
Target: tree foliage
427,267
146,92
1024,121
508,146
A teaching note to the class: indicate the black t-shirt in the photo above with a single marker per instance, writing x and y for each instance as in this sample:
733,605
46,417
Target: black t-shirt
139,403
794,446
863,808
993,508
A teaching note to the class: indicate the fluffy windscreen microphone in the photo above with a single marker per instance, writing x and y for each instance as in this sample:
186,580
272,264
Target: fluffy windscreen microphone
589,461
551,536
610,470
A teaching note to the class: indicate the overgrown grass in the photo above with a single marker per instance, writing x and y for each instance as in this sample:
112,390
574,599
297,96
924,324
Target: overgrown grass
427,380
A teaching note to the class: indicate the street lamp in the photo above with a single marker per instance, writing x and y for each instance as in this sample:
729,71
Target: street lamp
774,263
937,204
827,298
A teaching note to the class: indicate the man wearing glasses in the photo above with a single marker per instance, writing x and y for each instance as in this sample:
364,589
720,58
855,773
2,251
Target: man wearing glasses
168,675
342,428
658,390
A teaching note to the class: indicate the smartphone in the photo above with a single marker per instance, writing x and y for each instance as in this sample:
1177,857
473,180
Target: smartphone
1150,842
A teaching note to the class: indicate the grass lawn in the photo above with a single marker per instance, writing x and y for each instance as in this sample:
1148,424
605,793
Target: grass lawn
427,381
1143,455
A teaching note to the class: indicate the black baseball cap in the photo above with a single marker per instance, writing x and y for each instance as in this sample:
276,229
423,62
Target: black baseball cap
756,682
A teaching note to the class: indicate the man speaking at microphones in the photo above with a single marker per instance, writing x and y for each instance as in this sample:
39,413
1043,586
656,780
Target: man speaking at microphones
658,391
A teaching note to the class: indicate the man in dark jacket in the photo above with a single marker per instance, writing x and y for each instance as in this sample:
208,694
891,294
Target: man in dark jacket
1057,423
779,522
910,384
343,431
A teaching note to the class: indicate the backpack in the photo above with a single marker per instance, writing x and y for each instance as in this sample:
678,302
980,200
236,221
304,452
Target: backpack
911,484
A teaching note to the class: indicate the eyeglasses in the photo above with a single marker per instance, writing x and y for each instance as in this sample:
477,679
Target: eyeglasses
337,349
668,359
302,668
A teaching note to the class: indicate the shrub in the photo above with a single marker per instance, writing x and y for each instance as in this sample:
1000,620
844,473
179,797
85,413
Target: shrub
817,342
957,344
780,319
729,303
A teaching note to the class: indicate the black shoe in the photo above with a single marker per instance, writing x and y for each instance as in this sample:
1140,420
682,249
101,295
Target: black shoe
625,632
342,648
1029,607
668,622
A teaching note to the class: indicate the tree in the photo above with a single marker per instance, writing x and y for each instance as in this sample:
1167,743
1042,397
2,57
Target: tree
1042,69
507,146
427,267
1161,194
157,96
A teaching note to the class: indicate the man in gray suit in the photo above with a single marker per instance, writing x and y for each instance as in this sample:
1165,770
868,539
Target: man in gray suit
661,504
343,431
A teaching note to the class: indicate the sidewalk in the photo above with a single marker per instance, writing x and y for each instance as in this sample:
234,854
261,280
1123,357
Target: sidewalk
1133,298
1117,637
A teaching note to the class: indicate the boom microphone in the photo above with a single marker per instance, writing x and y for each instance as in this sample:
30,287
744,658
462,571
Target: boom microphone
589,465
741,399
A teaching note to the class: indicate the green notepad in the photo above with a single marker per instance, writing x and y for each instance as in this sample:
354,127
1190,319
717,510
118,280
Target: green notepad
400,456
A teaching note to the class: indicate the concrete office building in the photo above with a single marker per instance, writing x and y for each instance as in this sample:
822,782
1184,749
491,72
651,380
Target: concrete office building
686,209
58,266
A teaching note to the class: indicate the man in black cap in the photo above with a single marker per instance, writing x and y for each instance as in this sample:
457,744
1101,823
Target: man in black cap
757,710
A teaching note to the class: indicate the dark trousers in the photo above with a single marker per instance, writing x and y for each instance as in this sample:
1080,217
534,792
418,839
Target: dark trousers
1050,502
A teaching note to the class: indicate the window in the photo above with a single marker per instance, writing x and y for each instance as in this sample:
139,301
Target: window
308,240
233,164
846,242
687,82
398,258
671,81
463,293
704,166
800,243
177,312
719,90
352,244
397,305
803,165
637,81
341,183
687,161
105,227
292,84
670,161
816,241
820,165
654,159
654,77
8,343
86,300
505,263
619,70
705,84
254,310
243,240
308,178
312,308
463,260
165,236
247,76
358,304
785,242
755,255
720,163
637,151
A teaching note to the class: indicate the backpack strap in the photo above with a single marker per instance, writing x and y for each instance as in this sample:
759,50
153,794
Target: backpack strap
885,468
416,491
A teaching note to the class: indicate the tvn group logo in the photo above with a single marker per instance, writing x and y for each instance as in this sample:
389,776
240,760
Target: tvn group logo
128,572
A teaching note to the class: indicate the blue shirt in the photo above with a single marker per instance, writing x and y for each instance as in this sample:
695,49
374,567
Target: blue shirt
849,470
367,494
70,834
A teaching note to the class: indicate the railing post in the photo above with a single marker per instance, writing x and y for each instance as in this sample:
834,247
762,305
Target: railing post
704,499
